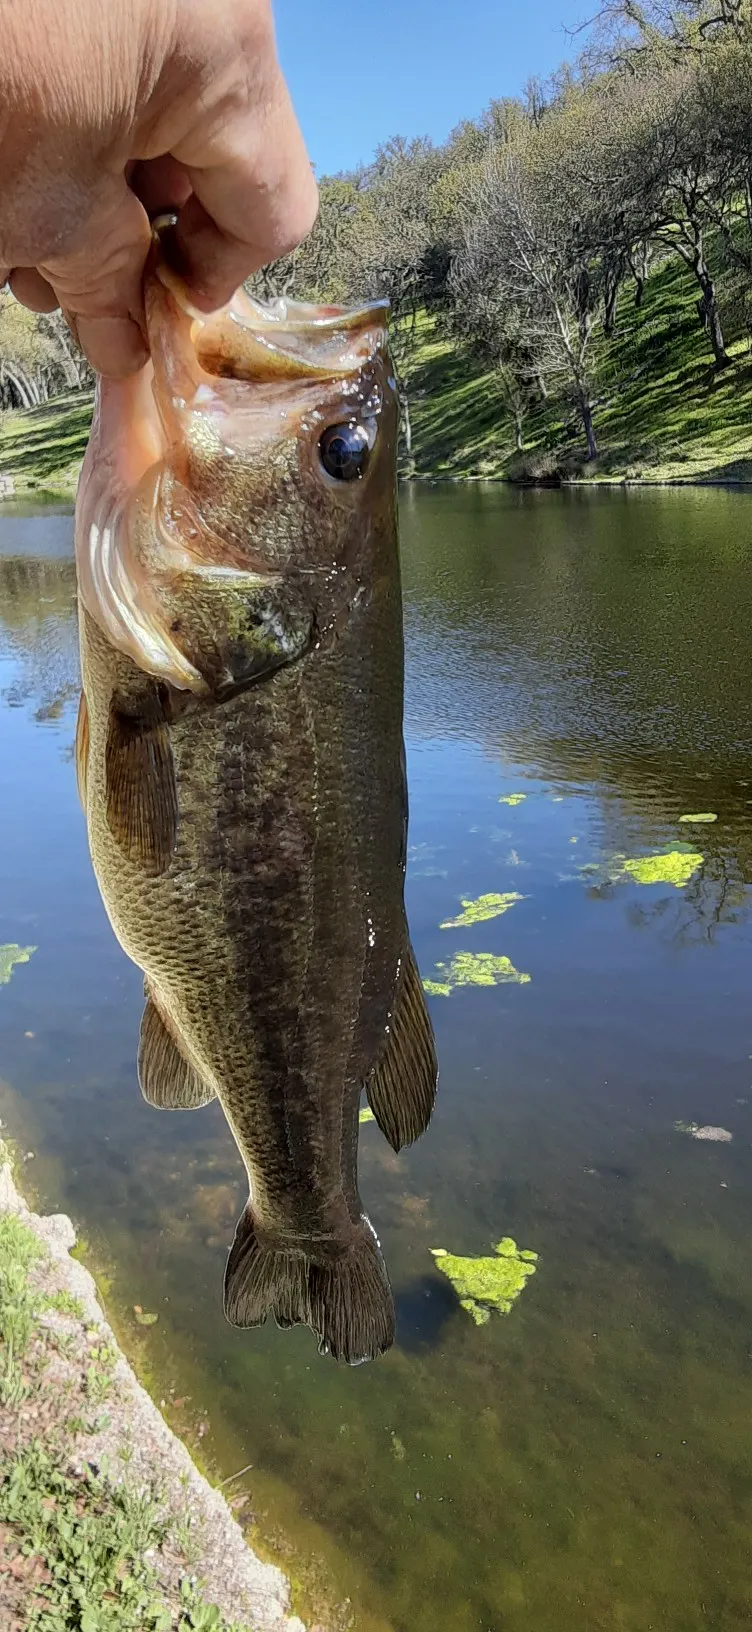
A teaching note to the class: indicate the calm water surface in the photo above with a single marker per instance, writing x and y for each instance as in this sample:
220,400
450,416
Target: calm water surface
584,1464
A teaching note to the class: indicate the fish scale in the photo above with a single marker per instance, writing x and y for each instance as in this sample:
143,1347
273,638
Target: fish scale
241,763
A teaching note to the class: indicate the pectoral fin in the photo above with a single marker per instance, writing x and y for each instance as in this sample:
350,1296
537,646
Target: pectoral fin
82,747
142,795
167,1080
402,1090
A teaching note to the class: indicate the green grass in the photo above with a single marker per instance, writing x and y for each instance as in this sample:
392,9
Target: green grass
41,449
90,1542
77,1546
663,412
19,1306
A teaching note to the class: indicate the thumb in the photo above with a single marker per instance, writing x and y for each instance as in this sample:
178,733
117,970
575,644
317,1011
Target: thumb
98,283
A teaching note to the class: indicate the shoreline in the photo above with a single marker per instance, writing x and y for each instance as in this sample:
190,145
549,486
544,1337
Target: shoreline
593,482
42,449
129,1444
11,496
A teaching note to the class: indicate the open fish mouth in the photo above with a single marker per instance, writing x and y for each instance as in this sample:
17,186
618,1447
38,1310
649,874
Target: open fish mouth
266,341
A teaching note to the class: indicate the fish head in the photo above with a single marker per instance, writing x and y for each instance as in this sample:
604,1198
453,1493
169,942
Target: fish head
238,496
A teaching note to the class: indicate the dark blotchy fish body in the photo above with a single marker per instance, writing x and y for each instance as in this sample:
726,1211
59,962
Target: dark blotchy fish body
242,769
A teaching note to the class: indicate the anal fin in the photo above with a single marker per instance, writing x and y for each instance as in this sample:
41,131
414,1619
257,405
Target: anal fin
142,795
167,1080
402,1090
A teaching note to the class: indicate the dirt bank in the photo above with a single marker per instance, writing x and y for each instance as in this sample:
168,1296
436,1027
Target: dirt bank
105,1521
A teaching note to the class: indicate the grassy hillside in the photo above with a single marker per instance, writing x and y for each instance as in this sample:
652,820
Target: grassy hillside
663,413
41,450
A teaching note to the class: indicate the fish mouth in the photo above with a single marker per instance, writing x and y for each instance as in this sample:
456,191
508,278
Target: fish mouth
280,342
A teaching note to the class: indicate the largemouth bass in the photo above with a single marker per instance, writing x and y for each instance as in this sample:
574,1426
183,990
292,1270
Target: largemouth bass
241,766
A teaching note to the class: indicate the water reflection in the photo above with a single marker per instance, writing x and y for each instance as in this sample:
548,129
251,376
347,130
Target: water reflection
38,629
587,1460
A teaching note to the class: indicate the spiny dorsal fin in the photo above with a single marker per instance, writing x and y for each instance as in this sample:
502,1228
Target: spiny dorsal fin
142,795
82,747
402,1090
167,1080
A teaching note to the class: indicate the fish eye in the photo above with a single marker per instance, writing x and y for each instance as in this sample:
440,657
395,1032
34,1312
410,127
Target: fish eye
344,451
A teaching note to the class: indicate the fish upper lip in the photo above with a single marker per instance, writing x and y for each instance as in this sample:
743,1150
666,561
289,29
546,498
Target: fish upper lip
259,342
281,315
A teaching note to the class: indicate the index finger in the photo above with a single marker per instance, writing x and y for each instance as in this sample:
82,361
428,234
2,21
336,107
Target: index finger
254,198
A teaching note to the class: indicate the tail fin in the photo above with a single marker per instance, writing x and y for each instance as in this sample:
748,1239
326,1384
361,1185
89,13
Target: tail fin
346,1301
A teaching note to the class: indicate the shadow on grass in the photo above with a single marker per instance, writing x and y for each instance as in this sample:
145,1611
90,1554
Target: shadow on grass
43,441
663,411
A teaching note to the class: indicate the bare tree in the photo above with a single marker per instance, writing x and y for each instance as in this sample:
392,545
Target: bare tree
521,262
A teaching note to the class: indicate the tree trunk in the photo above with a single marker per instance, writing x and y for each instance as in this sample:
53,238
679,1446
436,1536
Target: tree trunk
541,387
612,294
69,364
712,318
21,385
407,429
638,264
696,259
586,413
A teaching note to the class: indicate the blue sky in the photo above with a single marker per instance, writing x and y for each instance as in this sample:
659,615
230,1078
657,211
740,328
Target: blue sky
361,72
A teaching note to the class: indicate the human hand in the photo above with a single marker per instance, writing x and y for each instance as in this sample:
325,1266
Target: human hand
112,112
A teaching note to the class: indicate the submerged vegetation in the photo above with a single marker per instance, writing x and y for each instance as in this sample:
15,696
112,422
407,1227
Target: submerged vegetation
487,1286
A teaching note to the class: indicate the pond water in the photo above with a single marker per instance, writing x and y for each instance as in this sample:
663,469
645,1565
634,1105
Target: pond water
584,1463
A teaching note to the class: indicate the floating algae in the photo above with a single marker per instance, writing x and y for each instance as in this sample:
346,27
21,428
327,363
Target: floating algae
512,798
676,867
488,1285
11,955
366,1115
482,909
474,969
707,816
